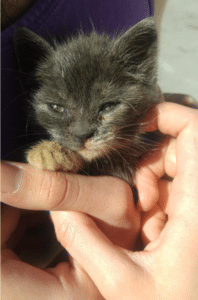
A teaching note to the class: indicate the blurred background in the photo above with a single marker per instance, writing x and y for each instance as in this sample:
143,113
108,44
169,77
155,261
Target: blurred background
178,56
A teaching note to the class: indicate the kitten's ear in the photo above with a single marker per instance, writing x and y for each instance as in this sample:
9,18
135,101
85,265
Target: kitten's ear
136,49
30,49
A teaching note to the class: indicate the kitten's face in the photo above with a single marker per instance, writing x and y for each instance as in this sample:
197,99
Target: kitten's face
93,91
91,126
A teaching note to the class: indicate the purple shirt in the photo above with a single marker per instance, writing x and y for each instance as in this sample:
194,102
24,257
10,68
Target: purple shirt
55,18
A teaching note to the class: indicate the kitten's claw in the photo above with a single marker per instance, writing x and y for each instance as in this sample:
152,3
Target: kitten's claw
51,156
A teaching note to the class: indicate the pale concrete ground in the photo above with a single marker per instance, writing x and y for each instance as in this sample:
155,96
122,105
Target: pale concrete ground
178,58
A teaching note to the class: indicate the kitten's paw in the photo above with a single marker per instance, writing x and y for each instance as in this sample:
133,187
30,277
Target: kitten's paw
51,156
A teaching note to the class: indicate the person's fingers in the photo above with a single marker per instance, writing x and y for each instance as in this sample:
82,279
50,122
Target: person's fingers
47,190
173,118
104,198
154,220
181,229
170,159
182,123
185,127
151,169
87,244
184,192
179,161
22,281
79,234
169,118
153,223
10,214
31,282
146,183
147,175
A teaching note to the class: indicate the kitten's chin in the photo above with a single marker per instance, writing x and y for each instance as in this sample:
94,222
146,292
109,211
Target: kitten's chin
90,155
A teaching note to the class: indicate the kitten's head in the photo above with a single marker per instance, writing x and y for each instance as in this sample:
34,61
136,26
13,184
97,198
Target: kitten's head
92,91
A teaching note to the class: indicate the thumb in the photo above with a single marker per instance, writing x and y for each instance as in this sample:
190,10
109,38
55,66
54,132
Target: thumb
25,187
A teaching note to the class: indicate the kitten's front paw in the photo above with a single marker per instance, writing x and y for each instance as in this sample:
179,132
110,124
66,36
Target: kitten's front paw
51,156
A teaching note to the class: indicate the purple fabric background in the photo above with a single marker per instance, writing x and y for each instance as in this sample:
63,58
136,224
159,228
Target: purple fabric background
56,18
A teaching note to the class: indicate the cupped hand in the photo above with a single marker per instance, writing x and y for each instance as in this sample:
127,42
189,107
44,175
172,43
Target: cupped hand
108,200
167,268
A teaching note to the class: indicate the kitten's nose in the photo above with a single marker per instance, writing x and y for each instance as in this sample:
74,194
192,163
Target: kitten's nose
81,138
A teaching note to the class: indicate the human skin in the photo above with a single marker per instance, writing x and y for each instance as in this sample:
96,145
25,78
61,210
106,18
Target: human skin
21,281
108,200
168,266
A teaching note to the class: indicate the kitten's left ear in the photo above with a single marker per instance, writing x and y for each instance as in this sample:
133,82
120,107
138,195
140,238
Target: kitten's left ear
136,50
30,49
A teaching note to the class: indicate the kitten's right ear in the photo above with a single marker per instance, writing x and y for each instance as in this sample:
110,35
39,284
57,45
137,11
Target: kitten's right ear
136,50
30,49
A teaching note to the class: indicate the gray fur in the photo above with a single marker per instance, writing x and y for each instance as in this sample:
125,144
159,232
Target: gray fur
83,74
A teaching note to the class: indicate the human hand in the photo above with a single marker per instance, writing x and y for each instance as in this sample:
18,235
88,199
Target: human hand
168,266
108,200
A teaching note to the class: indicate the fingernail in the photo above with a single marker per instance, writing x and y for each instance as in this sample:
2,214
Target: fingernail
11,178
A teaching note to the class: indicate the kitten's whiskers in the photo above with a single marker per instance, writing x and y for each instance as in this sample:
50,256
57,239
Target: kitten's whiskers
118,153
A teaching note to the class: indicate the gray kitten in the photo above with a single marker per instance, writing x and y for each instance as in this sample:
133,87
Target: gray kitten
91,94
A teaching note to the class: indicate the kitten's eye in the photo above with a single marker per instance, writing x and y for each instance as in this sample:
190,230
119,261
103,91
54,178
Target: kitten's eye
108,106
57,108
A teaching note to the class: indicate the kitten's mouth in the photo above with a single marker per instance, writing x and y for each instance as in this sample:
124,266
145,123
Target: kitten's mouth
92,150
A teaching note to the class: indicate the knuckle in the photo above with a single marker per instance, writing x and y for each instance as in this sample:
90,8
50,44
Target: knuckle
66,234
72,227
52,188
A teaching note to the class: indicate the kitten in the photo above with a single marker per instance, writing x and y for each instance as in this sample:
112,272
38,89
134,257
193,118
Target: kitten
93,92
